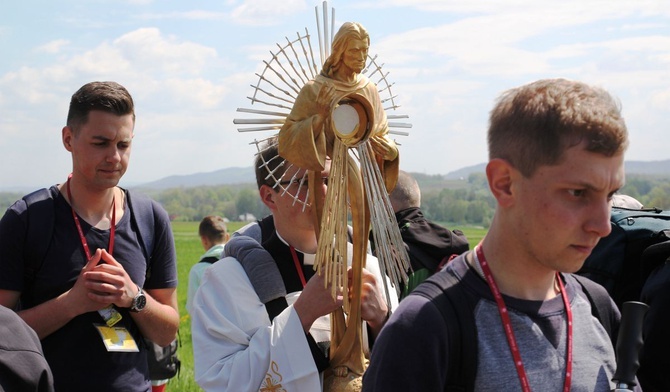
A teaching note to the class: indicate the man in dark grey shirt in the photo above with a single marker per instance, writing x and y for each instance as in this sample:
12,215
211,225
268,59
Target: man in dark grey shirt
556,153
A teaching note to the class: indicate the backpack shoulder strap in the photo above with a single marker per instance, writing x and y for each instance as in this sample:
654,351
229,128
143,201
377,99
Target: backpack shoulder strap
457,310
252,229
40,220
245,245
268,283
210,260
601,305
259,266
142,217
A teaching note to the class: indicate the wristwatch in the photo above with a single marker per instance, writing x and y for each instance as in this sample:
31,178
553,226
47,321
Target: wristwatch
139,302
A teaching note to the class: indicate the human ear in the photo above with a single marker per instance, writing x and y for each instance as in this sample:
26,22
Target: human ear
67,138
501,176
268,197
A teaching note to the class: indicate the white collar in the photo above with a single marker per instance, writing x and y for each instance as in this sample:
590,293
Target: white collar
308,258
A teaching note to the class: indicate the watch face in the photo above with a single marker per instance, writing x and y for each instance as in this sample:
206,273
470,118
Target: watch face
141,302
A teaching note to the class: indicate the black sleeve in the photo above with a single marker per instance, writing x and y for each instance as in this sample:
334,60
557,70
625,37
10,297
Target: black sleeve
410,351
321,360
22,363
12,238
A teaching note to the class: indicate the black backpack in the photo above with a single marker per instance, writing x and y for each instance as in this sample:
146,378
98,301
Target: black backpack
619,262
457,308
40,212
654,360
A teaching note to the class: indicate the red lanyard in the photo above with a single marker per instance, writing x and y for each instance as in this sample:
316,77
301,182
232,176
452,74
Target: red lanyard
298,266
507,324
84,243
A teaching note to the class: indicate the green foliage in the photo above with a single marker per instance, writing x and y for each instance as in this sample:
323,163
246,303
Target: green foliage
7,199
189,250
471,205
460,201
247,201
478,180
193,204
650,191
472,233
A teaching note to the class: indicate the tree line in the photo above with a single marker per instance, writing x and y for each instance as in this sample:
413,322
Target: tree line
460,202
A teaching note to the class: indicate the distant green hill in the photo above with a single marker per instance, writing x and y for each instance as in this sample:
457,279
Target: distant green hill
454,179
245,175
228,176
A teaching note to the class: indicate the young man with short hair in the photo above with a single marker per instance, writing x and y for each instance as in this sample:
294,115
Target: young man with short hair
91,298
246,339
556,153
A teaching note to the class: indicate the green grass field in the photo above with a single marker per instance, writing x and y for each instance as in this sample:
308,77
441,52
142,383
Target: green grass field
189,251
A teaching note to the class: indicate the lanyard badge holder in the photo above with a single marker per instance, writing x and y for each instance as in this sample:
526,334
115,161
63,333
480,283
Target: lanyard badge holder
109,314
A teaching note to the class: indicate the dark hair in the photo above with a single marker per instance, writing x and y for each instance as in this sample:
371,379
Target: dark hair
533,125
109,97
268,162
213,228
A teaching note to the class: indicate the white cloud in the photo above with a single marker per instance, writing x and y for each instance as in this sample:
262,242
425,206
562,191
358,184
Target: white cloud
266,12
157,54
53,46
597,8
643,26
185,15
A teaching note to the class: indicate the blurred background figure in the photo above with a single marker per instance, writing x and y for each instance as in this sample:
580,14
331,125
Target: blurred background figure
213,234
429,245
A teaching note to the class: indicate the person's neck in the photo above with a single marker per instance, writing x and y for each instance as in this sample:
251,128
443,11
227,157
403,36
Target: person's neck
93,205
215,245
302,240
515,274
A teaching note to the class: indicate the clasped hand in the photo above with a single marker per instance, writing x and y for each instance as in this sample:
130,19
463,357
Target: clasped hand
102,281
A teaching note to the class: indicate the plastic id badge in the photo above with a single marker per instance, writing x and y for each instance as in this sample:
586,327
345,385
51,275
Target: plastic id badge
117,339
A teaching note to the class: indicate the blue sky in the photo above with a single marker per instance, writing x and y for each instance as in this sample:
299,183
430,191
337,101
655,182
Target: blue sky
189,66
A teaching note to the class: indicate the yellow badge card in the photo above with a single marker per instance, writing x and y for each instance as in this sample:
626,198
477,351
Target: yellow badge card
117,339
111,315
